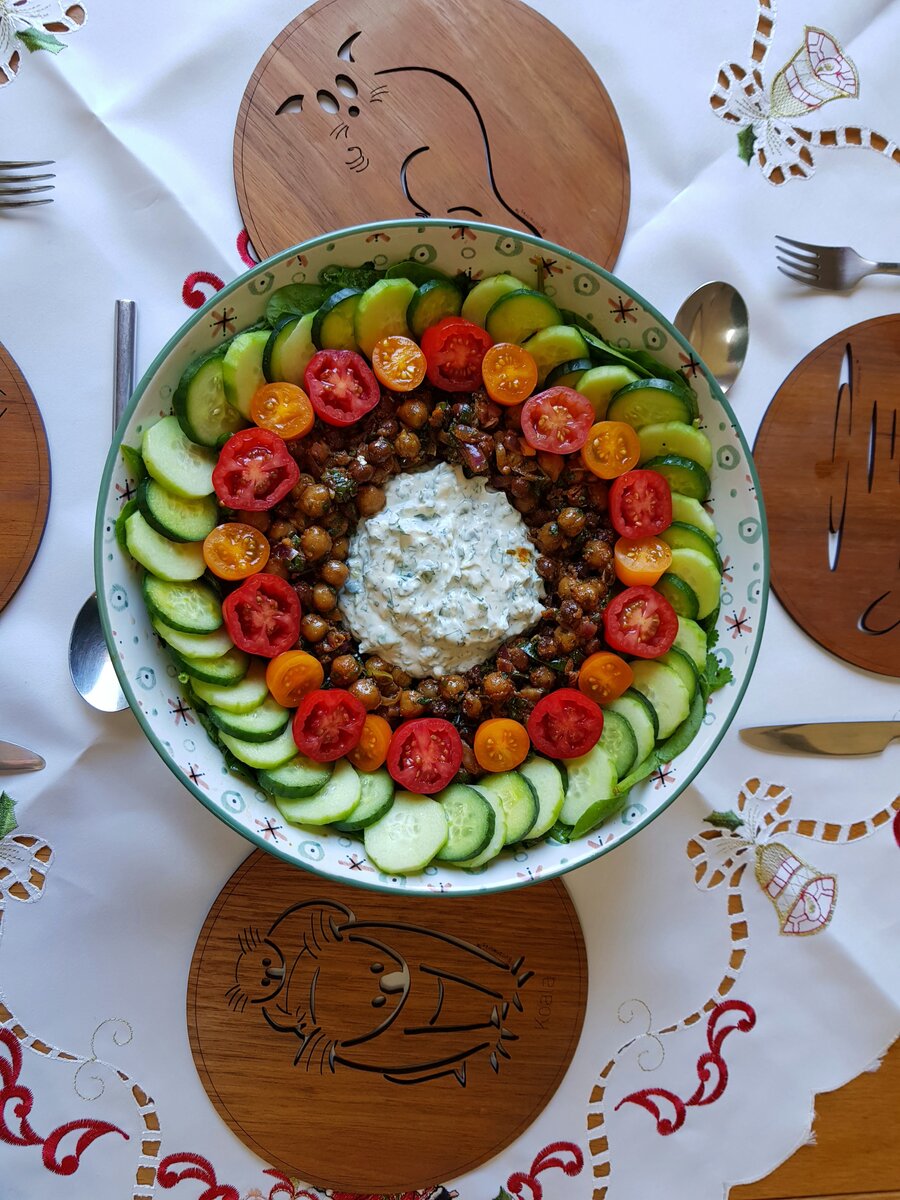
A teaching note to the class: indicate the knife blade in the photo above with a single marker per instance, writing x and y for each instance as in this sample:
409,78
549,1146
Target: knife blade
839,738
17,758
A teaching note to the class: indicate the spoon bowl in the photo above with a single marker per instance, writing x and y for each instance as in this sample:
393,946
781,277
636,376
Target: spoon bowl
714,320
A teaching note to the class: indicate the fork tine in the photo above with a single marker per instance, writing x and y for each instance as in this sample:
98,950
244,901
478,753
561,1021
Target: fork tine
12,166
812,259
4,178
23,203
22,191
802,266
810,280
800,245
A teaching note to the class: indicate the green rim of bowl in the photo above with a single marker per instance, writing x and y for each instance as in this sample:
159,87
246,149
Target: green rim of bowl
215,300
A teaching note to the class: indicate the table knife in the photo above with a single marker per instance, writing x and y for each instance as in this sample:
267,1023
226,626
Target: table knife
17,758
824,737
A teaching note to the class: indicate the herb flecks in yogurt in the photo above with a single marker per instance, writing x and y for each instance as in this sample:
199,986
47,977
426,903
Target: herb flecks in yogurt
442,576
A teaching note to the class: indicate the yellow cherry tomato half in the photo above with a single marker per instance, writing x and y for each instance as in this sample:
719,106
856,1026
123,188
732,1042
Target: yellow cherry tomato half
604,677
611,449
282,408
371,750
398,363
291,674
501,744
509,372
641,560
235,550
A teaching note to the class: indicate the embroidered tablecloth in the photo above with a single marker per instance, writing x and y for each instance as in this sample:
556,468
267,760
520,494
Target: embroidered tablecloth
737,966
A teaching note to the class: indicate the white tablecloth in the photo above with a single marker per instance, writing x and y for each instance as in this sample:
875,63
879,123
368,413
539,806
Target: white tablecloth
138,112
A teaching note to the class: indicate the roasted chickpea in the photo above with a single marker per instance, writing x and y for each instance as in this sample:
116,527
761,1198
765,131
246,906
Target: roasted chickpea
281,529
572,521
498,687
313,627
586,592
379,451
597,554
453,687
413,413
549,538
472,705
259,520
570,614
370,500
360,470
407,444
345,670
410,704
566,640
543,678
315,542
316,500
367,693
428,689
469,761
334,572
324,598
340,547
547,568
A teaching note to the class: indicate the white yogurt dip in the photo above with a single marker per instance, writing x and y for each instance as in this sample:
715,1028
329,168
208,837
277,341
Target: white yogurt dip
442,576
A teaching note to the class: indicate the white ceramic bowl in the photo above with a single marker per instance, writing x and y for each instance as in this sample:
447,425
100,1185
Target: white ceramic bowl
149,679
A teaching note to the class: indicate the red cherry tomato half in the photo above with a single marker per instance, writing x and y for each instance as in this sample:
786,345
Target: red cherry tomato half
640,504
557,420
565,724
424,755
454,350
641,622
263,615
341,386
254,471
328,725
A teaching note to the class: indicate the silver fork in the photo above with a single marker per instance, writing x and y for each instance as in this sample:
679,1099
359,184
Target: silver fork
12,181
834,268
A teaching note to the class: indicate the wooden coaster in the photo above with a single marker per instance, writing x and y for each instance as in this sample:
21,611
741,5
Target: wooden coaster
24,477
373,1042
828,456
361,111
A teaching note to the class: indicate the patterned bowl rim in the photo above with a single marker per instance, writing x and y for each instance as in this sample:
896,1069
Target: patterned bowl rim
241,281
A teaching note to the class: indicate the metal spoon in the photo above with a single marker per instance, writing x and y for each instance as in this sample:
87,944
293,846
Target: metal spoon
714,320
89,663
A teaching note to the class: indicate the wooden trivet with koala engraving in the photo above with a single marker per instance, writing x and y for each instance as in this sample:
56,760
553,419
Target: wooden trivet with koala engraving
372,1042
361,111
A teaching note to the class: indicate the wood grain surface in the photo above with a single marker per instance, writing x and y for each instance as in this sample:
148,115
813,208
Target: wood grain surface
24,477
828,456
371,1042
361,111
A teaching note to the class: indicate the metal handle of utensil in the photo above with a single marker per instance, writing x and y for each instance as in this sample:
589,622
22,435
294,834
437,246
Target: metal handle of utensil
123,378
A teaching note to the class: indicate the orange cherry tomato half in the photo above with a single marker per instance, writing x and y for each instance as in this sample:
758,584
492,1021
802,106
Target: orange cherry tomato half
641,560
283,408
509,372
371,750
290,675
398,363
501,744
611,449
604,677
235,550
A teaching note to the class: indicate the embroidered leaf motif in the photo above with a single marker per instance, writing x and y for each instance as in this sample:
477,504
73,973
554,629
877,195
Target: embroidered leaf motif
39,39
725,820
746,140
7,814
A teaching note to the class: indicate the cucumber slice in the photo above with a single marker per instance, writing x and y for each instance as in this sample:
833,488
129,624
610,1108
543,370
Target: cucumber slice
567,374
174,562
175,517
470,822
199,402
416,272
600,384
129,507
649,402
674,437
229,668
692,640
333,323
376,797
299,777
592,782
258,725
679,594
518,800
485,294
382,312
264,756
681,474
335,801
680,534
498,837
289,360
271,361
176,462
701,573
430,302
518,315
194,645
239,697
665,690
407,837
242,369
648,709
619,742
187,607
634,709
553,345
683,666
692,512
546,781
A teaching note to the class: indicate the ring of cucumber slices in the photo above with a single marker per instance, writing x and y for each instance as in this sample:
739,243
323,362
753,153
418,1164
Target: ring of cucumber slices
468,823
